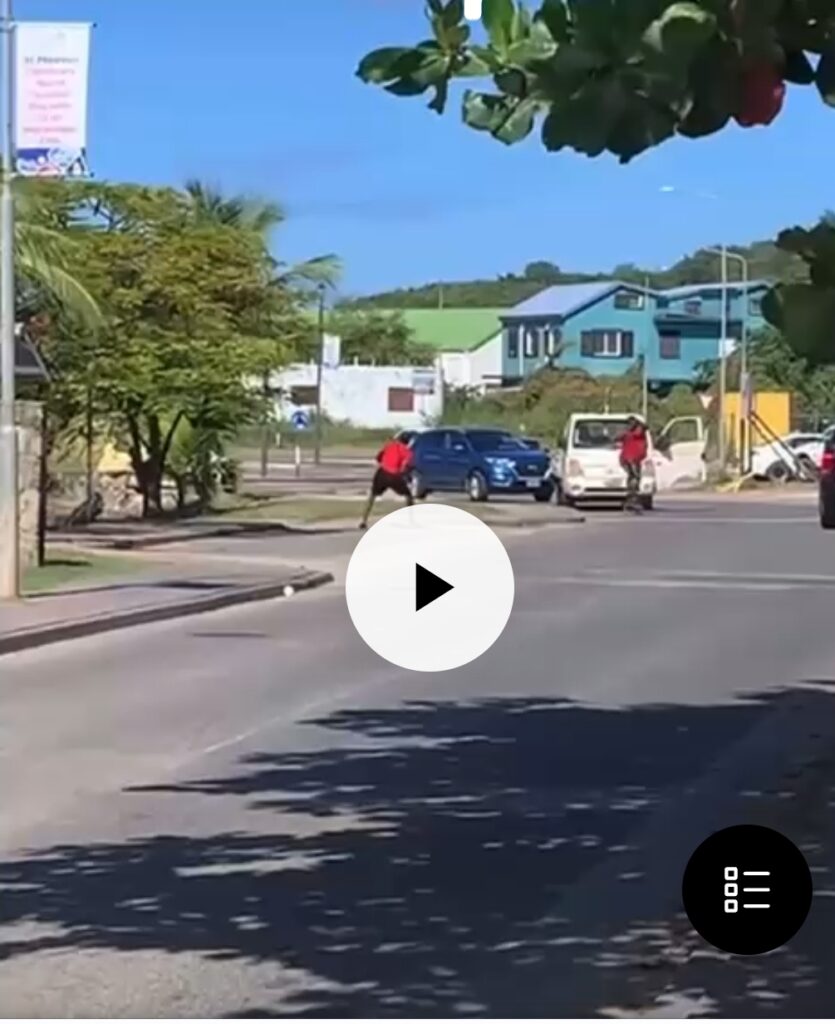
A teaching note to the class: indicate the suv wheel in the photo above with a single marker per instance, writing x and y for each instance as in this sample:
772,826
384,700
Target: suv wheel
827,515
417,486
477,486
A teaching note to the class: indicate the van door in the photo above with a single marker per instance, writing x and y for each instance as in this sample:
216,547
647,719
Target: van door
679,453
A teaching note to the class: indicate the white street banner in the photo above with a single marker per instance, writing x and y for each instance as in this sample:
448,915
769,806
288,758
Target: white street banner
51,83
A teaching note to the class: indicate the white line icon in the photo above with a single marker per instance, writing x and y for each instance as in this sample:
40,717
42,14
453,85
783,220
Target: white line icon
472,10
732,890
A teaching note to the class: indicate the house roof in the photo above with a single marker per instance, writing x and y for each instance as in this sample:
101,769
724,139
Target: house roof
692,289
566,299
453,330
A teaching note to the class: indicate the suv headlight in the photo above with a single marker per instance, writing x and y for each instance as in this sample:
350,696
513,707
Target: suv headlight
499,465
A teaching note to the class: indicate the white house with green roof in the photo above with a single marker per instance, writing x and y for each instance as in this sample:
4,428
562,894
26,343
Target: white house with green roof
468,343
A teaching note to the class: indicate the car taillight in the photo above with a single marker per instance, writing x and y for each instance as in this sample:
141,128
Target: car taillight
827,462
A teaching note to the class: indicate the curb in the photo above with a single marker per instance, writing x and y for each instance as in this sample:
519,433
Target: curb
40,636
255,526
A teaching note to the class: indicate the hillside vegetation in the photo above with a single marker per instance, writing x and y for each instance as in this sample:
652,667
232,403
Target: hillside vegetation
765,261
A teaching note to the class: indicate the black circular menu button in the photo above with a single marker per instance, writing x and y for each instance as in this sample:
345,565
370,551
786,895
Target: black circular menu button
747,889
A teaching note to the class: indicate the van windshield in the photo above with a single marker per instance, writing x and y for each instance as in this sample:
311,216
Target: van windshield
598,433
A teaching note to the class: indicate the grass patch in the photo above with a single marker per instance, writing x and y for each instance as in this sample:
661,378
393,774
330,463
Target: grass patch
65,567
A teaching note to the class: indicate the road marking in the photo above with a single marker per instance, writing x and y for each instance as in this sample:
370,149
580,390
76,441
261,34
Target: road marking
660,517
662,584
719,576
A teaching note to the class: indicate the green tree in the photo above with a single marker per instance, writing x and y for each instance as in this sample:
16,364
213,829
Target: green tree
192,309
622,76
210,207
379,337
46,251
616,75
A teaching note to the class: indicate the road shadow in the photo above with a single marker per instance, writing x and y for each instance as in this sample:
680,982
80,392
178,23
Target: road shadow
424,865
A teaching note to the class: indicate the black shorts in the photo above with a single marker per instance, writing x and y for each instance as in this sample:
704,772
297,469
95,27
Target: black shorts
384,481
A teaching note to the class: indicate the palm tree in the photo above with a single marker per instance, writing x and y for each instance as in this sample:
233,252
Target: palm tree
210,206
43,256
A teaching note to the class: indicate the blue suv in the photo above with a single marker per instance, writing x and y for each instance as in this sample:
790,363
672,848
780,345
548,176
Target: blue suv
480,462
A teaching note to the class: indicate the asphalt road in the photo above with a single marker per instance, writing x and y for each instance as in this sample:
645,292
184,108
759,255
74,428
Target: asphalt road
249,814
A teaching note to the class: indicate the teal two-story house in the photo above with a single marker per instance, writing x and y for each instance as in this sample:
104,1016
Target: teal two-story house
606,327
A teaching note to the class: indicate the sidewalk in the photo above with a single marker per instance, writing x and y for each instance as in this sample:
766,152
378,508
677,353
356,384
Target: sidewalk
162,592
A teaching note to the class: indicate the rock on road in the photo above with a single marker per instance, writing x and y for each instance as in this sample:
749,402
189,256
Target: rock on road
248,813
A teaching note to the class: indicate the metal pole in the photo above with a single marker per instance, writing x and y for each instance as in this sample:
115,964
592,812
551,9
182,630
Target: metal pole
645,367
723,331
317,451
265,427
88,430
743,373
9,538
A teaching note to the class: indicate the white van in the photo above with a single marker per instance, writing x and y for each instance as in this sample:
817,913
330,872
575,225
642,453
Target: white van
588,468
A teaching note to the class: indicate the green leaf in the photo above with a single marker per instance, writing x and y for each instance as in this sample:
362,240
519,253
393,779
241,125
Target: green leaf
518,124
798,69
497,17
538,46
680,31
375,66
485,112
453,13
554,14
825,77
512,82
473,65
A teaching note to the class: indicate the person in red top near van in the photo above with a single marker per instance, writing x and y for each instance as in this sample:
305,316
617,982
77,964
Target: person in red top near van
394,460
633,452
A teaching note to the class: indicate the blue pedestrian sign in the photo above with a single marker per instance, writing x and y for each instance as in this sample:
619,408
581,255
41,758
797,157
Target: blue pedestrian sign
300,420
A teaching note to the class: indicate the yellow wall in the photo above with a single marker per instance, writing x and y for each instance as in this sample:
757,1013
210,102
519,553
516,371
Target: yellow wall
772,407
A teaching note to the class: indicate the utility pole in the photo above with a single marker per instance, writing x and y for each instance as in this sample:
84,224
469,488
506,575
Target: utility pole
645,360
9,537
744,388
723,331
317,451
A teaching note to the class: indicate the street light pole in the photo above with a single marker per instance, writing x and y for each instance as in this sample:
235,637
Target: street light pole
317,451
645,361
9,539
743,369
723,331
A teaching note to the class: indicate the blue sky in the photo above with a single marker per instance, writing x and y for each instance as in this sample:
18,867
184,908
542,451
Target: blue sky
260,96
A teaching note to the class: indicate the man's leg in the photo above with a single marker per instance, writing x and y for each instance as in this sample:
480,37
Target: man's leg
376,490
633,487
404,490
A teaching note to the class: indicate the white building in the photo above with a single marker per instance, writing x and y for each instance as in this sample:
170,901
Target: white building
365,396
468,343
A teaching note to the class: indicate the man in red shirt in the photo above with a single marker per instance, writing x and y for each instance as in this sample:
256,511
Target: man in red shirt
394,460
633,452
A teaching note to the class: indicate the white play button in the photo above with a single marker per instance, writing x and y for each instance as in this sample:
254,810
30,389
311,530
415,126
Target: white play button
429,587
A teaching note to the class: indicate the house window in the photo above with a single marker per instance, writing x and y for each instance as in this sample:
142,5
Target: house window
693,307
607,344
512,342
669,346
629,300
755,306
531,342
401,400
303,395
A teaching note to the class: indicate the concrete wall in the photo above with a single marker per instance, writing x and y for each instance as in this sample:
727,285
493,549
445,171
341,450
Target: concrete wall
479,368
360,394
28,416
